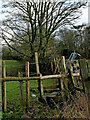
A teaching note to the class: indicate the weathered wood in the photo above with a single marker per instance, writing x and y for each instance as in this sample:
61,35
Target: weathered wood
59,82
27,85
4,69
21,92
37,78
41,89
72,77
37,64
53,76
63,62
63,71
64,81
79,89
37,68
33,78
4,101
52,90
76,74
19,79
56,67
52,66
85,80
51,87
71,84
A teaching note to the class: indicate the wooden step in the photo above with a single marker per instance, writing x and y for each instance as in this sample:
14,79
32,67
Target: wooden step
51,87
55,98
52,90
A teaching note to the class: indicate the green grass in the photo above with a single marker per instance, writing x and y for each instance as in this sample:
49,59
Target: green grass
13,67
13,93
13,99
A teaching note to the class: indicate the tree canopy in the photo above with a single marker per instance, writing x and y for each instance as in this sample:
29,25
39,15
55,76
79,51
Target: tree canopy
30,25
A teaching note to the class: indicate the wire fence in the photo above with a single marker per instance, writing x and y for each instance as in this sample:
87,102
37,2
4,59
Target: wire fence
12,68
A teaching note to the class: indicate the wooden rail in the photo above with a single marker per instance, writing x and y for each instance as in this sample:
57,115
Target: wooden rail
38,78
19,78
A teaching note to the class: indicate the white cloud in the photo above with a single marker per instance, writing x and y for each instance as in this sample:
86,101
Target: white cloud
84,17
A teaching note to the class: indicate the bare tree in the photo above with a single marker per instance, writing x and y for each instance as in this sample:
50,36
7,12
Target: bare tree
31,24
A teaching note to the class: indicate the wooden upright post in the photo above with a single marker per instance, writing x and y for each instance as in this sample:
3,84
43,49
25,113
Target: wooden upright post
63,63
40,82
21,91
4,103
37,64
85,80
41,87
37,68
27,85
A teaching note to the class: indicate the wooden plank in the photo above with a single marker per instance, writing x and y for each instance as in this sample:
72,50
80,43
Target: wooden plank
85,79
51,90
75,74
27,86
4,101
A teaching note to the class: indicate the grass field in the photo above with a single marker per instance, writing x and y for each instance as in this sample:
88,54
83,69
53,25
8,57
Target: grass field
13,67
14,109
13,98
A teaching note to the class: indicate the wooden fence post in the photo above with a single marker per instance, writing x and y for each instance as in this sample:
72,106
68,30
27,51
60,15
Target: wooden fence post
37,68
40,82
37,64
4,103
21,91
41,88
85,80
63,63
64,70
64,81
27,85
